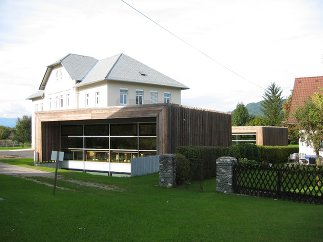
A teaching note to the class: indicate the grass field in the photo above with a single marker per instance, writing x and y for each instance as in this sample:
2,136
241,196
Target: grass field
15,148
143,211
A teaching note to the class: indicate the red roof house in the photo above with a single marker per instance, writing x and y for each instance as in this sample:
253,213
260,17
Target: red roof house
304,87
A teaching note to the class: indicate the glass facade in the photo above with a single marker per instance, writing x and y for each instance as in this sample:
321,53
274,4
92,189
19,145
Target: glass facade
110,142
244,138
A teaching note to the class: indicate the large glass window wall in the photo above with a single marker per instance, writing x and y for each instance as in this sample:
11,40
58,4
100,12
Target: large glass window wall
115,142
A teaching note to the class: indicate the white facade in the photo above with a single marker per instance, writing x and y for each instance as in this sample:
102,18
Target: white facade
61,93
306,151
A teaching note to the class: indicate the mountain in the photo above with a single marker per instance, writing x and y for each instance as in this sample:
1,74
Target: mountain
8,122
254,108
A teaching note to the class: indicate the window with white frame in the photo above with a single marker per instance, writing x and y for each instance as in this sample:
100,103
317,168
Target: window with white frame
87,99
67,100
36,107
123,96
56,102
153,97
50,103
61,101
167,97
97,98
139,97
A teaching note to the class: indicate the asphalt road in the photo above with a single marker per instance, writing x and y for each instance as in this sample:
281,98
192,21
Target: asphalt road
26,153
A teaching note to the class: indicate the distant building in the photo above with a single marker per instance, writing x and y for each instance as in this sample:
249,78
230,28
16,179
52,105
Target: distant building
113,110
304,87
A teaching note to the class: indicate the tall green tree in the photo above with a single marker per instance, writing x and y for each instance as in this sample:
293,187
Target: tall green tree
272,105
4,132
240,115
310,120
23,130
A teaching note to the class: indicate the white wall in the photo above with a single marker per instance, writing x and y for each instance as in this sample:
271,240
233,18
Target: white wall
91,90
114,93
307,150
59,85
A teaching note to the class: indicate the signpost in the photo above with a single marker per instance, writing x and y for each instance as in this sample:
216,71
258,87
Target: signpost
56,156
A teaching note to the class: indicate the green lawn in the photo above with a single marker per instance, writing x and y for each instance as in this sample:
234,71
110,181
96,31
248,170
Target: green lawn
145,212
15,148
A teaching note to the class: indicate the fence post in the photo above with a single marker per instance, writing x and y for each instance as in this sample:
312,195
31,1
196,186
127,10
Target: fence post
224,174
167,170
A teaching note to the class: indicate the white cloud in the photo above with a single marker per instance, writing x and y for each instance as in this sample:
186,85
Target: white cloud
264,41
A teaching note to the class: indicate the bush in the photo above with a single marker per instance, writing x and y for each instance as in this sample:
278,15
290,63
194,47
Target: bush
276,154
183,170
202,159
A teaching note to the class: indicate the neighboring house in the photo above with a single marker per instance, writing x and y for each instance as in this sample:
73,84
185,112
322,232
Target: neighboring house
260,135
304,87
103,113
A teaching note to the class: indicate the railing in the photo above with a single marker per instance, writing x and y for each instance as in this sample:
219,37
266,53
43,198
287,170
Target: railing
144,165
289,181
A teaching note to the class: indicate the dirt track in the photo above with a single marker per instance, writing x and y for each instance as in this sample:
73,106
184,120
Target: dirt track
25,153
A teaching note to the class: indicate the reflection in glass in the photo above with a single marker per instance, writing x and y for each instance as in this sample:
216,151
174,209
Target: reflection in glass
123,129
72,142
96,130
72,130
123,157
148,129
124,143
92,155
97,143
147,143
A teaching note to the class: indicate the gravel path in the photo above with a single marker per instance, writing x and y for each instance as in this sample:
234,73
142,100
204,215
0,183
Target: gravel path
13,170
29,173
24,153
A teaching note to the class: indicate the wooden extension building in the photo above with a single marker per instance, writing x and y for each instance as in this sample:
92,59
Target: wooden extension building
96,137
260,135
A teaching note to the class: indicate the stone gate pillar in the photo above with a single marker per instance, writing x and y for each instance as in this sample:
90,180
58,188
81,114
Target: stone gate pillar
224,174
167,170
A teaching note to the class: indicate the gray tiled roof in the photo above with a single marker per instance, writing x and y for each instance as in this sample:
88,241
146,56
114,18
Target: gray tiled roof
124,68
86,70
131,70
78,66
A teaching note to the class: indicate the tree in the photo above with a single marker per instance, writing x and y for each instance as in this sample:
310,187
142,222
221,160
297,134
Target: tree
256,121
240,115
272,104
4,132
309,117
23,130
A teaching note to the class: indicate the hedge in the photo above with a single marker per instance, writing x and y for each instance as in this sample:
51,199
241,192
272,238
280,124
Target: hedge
202,159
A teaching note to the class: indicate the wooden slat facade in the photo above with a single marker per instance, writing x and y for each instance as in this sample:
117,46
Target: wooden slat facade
176,125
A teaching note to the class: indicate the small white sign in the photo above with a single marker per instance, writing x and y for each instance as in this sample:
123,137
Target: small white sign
54,155
57,156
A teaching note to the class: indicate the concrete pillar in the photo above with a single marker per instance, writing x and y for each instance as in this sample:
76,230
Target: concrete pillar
167,170
224,174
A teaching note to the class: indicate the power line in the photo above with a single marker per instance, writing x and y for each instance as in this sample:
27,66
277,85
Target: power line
192,46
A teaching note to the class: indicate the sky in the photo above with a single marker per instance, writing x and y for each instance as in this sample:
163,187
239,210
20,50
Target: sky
226,51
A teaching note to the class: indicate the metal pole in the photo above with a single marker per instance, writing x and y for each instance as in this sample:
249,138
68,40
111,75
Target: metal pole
55,180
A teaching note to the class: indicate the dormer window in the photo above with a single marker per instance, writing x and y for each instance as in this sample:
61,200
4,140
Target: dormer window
142,73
